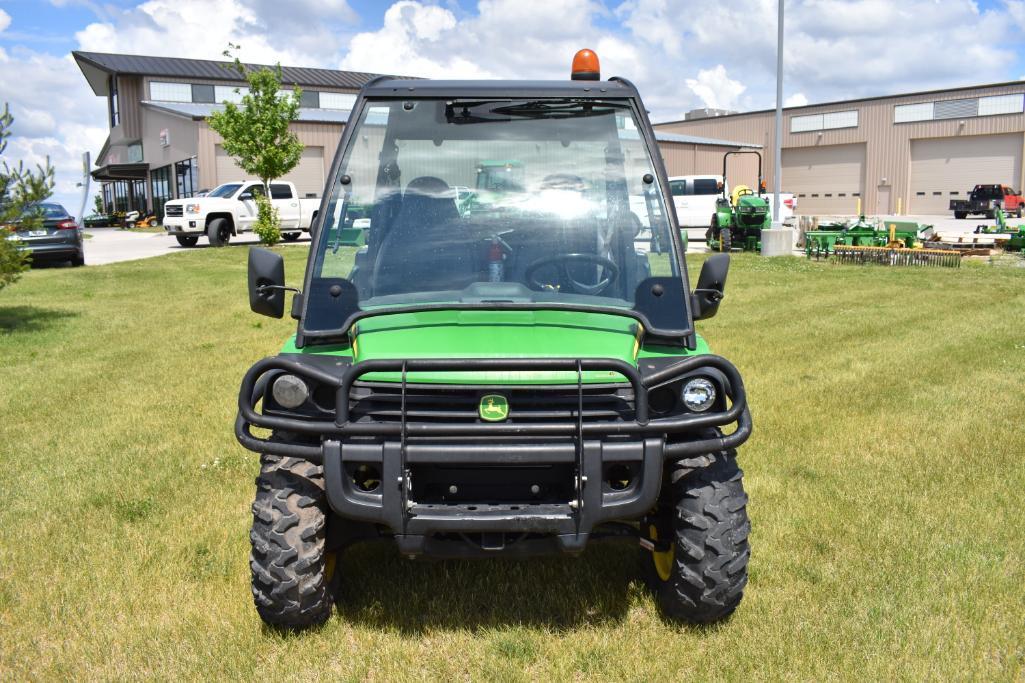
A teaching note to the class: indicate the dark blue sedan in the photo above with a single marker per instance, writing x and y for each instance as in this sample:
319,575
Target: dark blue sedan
55,237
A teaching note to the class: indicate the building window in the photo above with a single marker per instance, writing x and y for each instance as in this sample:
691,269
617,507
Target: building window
134,154
186,175
827,121
955,109
338,100
310,99
202,93
971,107
160,189
115,113
905,113
108,197
1001,104
137,196
170,92
227,93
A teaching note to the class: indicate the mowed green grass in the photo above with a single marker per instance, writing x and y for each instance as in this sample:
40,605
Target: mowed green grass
886,475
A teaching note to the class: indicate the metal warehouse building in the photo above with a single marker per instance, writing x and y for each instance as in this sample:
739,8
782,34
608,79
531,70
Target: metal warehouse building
161,147
912,153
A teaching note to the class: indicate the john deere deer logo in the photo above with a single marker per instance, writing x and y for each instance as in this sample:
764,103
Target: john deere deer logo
494,408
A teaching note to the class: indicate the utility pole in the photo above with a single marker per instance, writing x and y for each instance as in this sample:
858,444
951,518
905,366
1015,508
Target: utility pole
777,168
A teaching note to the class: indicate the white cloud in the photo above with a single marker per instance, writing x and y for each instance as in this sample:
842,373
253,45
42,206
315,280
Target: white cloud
796,100
716,89
5,20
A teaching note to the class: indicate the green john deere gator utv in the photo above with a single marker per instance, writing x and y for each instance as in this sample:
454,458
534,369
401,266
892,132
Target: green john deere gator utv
503,385
739,219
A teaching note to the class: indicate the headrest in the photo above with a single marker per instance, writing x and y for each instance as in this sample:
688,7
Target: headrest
429,186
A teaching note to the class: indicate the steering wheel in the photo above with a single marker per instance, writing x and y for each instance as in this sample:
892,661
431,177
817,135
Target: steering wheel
610,271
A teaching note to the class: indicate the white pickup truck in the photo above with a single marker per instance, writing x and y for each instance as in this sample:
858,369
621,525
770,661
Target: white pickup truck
694,198
230,209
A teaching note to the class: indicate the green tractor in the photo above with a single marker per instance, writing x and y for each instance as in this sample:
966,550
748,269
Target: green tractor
739,218
502,384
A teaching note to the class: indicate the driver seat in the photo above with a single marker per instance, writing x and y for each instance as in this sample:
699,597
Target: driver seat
428,247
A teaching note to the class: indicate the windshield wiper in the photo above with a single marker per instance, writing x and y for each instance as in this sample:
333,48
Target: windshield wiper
462,112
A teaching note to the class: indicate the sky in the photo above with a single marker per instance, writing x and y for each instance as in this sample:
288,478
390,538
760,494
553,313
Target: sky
681,54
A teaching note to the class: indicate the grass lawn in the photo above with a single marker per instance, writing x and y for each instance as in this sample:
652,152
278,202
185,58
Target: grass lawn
886,476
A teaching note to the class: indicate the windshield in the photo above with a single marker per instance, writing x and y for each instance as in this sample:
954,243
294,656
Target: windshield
224,191
547,202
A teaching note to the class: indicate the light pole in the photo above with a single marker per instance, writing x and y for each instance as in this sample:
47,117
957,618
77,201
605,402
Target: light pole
777,168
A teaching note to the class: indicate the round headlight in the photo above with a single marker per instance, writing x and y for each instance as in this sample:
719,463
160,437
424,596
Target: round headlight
290,391
698,395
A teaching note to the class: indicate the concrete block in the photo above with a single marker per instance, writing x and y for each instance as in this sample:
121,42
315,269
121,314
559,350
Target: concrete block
778,242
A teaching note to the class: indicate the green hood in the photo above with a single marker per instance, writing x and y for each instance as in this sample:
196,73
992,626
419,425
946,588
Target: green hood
497,334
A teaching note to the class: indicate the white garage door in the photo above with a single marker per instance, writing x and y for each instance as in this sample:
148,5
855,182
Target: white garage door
826,180
308,175
948,168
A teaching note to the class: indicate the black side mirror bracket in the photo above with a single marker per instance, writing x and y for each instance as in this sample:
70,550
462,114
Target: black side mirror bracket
711,287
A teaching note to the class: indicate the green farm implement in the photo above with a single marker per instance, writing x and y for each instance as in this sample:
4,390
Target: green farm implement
739,219
891,243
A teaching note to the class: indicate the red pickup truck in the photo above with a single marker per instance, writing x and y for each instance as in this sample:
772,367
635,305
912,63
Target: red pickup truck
986,198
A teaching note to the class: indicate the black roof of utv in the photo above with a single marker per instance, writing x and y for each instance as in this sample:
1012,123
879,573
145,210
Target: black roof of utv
386,86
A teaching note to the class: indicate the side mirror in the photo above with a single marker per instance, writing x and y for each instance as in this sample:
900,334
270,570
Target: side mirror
711,286
314,224
246,197
266,283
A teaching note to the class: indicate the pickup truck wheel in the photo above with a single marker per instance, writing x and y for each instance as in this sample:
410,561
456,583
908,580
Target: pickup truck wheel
291,236
187,240
960,215
219,232
698,569
1018,212
292,572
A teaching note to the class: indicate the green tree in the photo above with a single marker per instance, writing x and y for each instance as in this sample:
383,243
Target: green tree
256,133
20,189
98,203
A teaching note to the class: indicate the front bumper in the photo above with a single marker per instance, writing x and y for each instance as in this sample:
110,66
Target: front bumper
183,225
585,450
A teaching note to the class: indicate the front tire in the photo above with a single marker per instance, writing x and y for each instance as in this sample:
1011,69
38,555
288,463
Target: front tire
291,568
699,575
218,232
291,236
725,240
187,240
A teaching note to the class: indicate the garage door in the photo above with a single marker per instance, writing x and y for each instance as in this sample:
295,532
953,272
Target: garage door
827,180
947,168
308,176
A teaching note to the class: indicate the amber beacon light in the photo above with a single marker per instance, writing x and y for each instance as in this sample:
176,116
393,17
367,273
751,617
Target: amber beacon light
585,66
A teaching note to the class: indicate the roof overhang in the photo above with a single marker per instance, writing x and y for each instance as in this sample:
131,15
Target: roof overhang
121,172
97,76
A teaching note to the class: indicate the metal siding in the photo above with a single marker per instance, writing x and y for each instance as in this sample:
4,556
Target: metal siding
322,135
888,145
949,165
826,180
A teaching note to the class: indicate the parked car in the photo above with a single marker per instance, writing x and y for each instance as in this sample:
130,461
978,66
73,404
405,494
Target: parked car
985,199
230,209
100,220
55,236
694,198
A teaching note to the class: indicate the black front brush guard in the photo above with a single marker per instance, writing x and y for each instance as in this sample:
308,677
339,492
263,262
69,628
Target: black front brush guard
641,426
